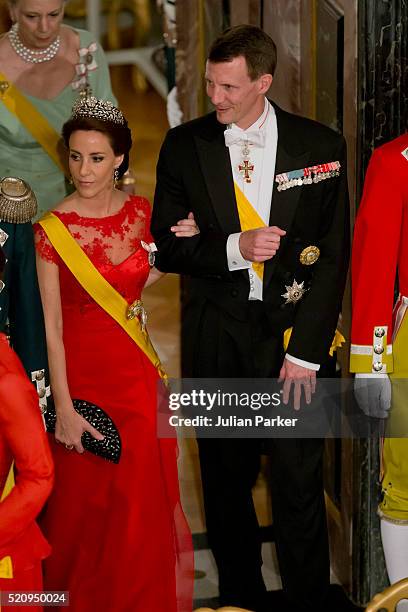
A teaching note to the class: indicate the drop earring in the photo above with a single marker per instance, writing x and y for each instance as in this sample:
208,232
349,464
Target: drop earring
116,176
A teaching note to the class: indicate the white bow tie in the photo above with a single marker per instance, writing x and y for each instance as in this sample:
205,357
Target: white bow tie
254,137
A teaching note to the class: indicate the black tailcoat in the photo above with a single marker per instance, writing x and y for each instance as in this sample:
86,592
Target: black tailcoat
226,335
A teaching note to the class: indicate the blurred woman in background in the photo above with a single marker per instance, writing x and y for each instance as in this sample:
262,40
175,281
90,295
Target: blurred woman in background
45,65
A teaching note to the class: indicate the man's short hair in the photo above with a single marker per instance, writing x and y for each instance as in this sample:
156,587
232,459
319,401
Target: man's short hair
248,41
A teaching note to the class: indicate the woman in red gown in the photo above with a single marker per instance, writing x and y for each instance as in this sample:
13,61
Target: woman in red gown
22,441
119,537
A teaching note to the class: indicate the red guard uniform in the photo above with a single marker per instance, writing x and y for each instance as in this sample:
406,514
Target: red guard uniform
379,333
380,246
22,440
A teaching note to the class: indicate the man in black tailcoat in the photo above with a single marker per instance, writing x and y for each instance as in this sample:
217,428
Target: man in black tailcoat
268,191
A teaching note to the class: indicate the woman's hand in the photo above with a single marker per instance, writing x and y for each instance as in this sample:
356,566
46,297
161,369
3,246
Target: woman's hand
186,228
69,429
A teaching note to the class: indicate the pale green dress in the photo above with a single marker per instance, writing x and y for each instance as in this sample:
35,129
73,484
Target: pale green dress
21,155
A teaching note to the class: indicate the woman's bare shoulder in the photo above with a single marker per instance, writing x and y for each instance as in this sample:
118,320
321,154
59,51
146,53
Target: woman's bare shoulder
71,37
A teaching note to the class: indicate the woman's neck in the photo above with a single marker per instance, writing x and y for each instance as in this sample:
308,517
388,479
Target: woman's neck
101,205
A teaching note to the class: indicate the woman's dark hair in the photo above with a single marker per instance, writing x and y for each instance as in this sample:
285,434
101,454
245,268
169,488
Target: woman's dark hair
252,43
120,136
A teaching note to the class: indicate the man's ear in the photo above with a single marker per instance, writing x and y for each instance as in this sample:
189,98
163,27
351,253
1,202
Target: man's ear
265,81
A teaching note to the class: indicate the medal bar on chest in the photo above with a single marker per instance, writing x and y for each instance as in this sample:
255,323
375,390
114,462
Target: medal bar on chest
307,176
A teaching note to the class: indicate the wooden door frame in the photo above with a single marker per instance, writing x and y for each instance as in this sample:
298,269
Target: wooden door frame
340,519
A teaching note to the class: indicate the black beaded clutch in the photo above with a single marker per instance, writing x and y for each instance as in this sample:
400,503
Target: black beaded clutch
110,447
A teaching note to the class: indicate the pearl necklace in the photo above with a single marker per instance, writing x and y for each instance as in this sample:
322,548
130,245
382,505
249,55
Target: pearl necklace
28,55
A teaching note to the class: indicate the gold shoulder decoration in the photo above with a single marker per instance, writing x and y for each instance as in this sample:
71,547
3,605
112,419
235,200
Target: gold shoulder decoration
18,203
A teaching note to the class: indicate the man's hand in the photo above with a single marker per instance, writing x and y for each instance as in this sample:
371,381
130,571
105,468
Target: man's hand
300,377
373,394
260,244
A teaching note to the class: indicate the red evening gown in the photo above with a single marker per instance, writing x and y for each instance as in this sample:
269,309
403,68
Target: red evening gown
119,537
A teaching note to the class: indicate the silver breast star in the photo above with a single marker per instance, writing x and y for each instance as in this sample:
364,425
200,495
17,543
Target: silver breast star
294,293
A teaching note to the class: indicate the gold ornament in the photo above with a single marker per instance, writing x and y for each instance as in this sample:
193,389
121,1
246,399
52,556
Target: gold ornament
18,203
309,255
4,85
136,310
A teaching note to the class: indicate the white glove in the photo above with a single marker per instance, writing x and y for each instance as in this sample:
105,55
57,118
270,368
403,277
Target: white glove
174,112
373,394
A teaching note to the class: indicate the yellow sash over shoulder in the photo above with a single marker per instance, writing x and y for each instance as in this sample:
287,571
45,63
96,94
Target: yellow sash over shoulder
38,126
6,565
249,219
96,285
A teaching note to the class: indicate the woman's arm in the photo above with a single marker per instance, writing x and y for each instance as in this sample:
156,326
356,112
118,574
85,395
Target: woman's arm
154,276
70,425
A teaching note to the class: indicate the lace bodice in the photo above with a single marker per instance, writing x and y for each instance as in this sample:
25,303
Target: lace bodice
113,244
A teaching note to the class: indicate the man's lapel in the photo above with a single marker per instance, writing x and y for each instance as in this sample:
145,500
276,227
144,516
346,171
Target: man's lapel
216,168
290,155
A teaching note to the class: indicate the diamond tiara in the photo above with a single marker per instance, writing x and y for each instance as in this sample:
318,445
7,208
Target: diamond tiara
93,108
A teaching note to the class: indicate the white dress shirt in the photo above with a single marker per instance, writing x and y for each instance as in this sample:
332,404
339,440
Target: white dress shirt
258,191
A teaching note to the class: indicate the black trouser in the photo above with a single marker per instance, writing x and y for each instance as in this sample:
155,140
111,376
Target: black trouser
229,469
231,348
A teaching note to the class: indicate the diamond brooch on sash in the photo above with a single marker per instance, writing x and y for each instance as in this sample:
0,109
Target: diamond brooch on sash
4,85
136,311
